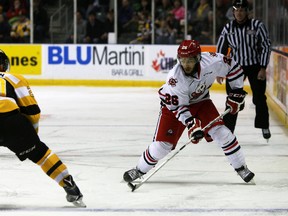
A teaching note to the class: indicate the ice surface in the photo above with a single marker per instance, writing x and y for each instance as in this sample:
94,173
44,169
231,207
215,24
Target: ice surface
99,133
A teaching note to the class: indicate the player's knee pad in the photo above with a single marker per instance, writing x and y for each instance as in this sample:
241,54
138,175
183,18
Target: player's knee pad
221,135
159,150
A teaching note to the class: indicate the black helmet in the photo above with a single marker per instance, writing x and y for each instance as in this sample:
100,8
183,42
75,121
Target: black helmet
240,3
4,60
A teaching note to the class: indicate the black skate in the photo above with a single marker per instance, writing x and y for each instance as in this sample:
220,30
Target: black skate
245,173
131,175
73,193
266,133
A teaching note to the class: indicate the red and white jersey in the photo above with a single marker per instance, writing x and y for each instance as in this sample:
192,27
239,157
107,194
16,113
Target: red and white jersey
181,90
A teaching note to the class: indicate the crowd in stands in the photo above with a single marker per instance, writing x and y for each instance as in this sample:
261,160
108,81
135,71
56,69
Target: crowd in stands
135,26
95,19
15,25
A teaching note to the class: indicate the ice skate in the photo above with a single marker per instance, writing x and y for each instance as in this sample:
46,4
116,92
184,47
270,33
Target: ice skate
266,133
131,175
73,193
245,173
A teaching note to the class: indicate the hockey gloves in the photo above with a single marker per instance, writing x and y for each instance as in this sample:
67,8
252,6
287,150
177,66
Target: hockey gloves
235,100
195,133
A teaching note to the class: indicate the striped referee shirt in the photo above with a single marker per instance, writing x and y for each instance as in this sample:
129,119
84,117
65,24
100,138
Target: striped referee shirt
249,42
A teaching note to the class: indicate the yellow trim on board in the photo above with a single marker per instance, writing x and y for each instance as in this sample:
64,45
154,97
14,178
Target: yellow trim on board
110,83
278,111
97,83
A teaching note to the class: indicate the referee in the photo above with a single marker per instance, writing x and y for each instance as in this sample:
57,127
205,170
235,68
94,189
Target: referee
249,44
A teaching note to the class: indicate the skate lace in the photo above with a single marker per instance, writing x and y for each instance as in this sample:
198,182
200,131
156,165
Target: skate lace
134,174
69,182
243,173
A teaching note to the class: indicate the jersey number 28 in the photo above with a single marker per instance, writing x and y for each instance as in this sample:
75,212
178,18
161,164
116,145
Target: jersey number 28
171,99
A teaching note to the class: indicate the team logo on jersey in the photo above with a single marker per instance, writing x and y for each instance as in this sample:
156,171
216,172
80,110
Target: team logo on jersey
169,132
199,91
172,82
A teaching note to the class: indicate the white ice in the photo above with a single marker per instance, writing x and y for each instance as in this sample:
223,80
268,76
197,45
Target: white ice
99,133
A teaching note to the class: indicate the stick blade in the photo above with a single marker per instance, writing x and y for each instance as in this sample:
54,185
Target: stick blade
132,186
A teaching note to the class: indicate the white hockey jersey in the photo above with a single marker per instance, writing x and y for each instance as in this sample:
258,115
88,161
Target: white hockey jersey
181,90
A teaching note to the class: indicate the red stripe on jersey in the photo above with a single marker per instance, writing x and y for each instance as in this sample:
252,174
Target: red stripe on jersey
232,74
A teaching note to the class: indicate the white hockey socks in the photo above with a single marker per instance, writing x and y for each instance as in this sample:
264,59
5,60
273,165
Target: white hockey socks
229,144
150,157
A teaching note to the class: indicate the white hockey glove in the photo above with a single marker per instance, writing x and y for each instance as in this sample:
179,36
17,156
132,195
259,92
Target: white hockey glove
235,100
195,133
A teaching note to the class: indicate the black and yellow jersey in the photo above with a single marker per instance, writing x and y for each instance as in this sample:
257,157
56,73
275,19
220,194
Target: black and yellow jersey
15,94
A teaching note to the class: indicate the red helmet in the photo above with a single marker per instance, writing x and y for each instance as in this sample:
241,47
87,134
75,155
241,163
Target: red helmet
189,48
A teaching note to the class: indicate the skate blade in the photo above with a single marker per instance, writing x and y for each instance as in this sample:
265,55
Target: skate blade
79,204
252,182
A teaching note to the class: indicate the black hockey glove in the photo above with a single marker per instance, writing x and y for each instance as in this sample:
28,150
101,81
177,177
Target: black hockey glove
235,100
195,133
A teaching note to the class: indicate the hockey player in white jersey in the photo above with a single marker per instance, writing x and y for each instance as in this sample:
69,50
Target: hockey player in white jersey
186,103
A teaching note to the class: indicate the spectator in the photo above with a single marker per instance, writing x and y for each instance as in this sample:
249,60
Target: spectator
94,30
145,6
165,34
41,22
144,29
206,29
174,24
2,11
163,9
202,10
16,9
5,4
81,29
178,11
82,7
99,7
108,25
5,29
125,15
221,8
198,18
20,31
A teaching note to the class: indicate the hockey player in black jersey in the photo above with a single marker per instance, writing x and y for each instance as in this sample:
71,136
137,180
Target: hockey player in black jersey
19,117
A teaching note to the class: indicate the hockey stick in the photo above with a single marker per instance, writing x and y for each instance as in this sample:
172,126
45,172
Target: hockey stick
136,186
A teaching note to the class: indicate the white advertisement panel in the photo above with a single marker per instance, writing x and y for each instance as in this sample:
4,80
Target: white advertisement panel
111,62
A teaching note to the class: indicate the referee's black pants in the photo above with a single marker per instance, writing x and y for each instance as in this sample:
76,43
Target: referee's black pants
258,88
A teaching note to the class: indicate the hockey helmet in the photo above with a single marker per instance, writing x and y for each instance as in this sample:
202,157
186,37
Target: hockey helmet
240,3
4,61
189,48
